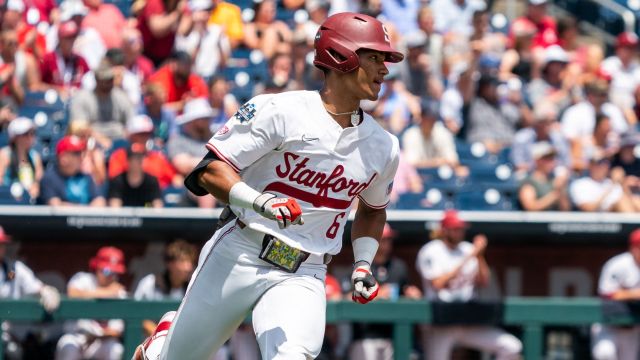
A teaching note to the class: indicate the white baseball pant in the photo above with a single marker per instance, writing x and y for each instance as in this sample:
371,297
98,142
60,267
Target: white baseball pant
288,310
615,343
439,341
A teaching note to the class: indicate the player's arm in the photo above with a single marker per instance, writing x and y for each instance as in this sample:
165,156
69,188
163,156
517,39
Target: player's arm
625,294
216,177
366,229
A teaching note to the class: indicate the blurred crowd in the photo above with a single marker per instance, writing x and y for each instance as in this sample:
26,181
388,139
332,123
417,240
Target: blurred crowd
143,85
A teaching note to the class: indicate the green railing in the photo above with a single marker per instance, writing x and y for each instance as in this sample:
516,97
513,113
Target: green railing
531,314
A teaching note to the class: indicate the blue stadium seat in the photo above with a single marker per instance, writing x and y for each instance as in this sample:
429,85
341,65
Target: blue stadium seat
172,196
411,201
487,199
6,198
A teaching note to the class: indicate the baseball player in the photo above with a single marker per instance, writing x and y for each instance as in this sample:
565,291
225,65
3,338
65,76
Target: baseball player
290,165
451,269
619,280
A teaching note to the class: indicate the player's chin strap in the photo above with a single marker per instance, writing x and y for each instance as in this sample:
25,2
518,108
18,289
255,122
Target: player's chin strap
365,286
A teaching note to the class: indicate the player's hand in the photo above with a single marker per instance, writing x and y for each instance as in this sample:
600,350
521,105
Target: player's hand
480,244
49,298
286,211
365,286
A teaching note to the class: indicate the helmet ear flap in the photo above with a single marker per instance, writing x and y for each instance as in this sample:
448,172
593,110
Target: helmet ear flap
340,57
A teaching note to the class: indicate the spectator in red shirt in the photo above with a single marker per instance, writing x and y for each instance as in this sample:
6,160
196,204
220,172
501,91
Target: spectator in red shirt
29,38
140,131
62,69
137,63
107,20
536,15
159,22
179,83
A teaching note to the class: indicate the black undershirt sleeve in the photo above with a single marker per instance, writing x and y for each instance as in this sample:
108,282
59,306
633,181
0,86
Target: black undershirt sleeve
191,181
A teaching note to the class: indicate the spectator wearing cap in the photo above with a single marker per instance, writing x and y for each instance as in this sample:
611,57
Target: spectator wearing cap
94,157
155,163
624,69
92,339
107,20
602,189
545,128
429,144
178,82
135,187
229,17
265,33
122,77
318,11
206,43
541,190
17,281
19,71
88,44
107,107
578,121
490,121
454,16
64,183
29,38
163,118
418,72
62,69
20,163
626,158
451,270
545,26
137,63
396,106
555,85
159,21
619,280
187,147
374,341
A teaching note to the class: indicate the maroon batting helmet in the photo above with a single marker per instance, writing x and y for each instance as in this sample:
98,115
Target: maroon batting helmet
341,35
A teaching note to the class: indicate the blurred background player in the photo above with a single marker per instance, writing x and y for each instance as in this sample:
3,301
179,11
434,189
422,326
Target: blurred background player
451,269
93,339
619,280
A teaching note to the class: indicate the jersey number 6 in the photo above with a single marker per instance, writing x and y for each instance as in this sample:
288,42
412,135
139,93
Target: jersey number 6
333,229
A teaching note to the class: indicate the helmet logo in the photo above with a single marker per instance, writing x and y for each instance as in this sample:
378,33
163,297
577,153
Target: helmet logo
386,34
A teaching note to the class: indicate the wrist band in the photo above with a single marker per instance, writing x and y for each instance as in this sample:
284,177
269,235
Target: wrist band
364,249
242,195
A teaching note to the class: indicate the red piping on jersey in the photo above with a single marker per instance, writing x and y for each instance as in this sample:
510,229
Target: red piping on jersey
373,206
316,200
165,325
211,147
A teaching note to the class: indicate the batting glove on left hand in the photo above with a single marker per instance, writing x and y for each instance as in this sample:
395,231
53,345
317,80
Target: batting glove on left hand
365,286
286,211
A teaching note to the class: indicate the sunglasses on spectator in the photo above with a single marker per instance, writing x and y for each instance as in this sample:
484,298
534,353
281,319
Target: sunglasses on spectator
108,272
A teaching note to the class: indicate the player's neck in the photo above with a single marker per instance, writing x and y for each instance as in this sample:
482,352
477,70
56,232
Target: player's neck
336,103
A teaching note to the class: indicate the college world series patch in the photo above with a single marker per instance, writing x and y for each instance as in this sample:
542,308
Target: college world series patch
246,112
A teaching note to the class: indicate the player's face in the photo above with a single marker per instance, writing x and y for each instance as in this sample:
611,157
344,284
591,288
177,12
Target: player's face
181,269
455,235
370,75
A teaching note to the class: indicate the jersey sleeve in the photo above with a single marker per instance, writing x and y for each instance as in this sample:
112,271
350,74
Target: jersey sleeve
256,129
29,283
427,263
144,290
377,194
609,281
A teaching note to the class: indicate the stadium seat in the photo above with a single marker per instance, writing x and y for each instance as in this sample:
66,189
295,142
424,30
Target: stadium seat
433,199
7,197
172,196
486,199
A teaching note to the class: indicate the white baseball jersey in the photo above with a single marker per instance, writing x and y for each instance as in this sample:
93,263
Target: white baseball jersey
436,259
24,282
288,144
619,272
89,282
